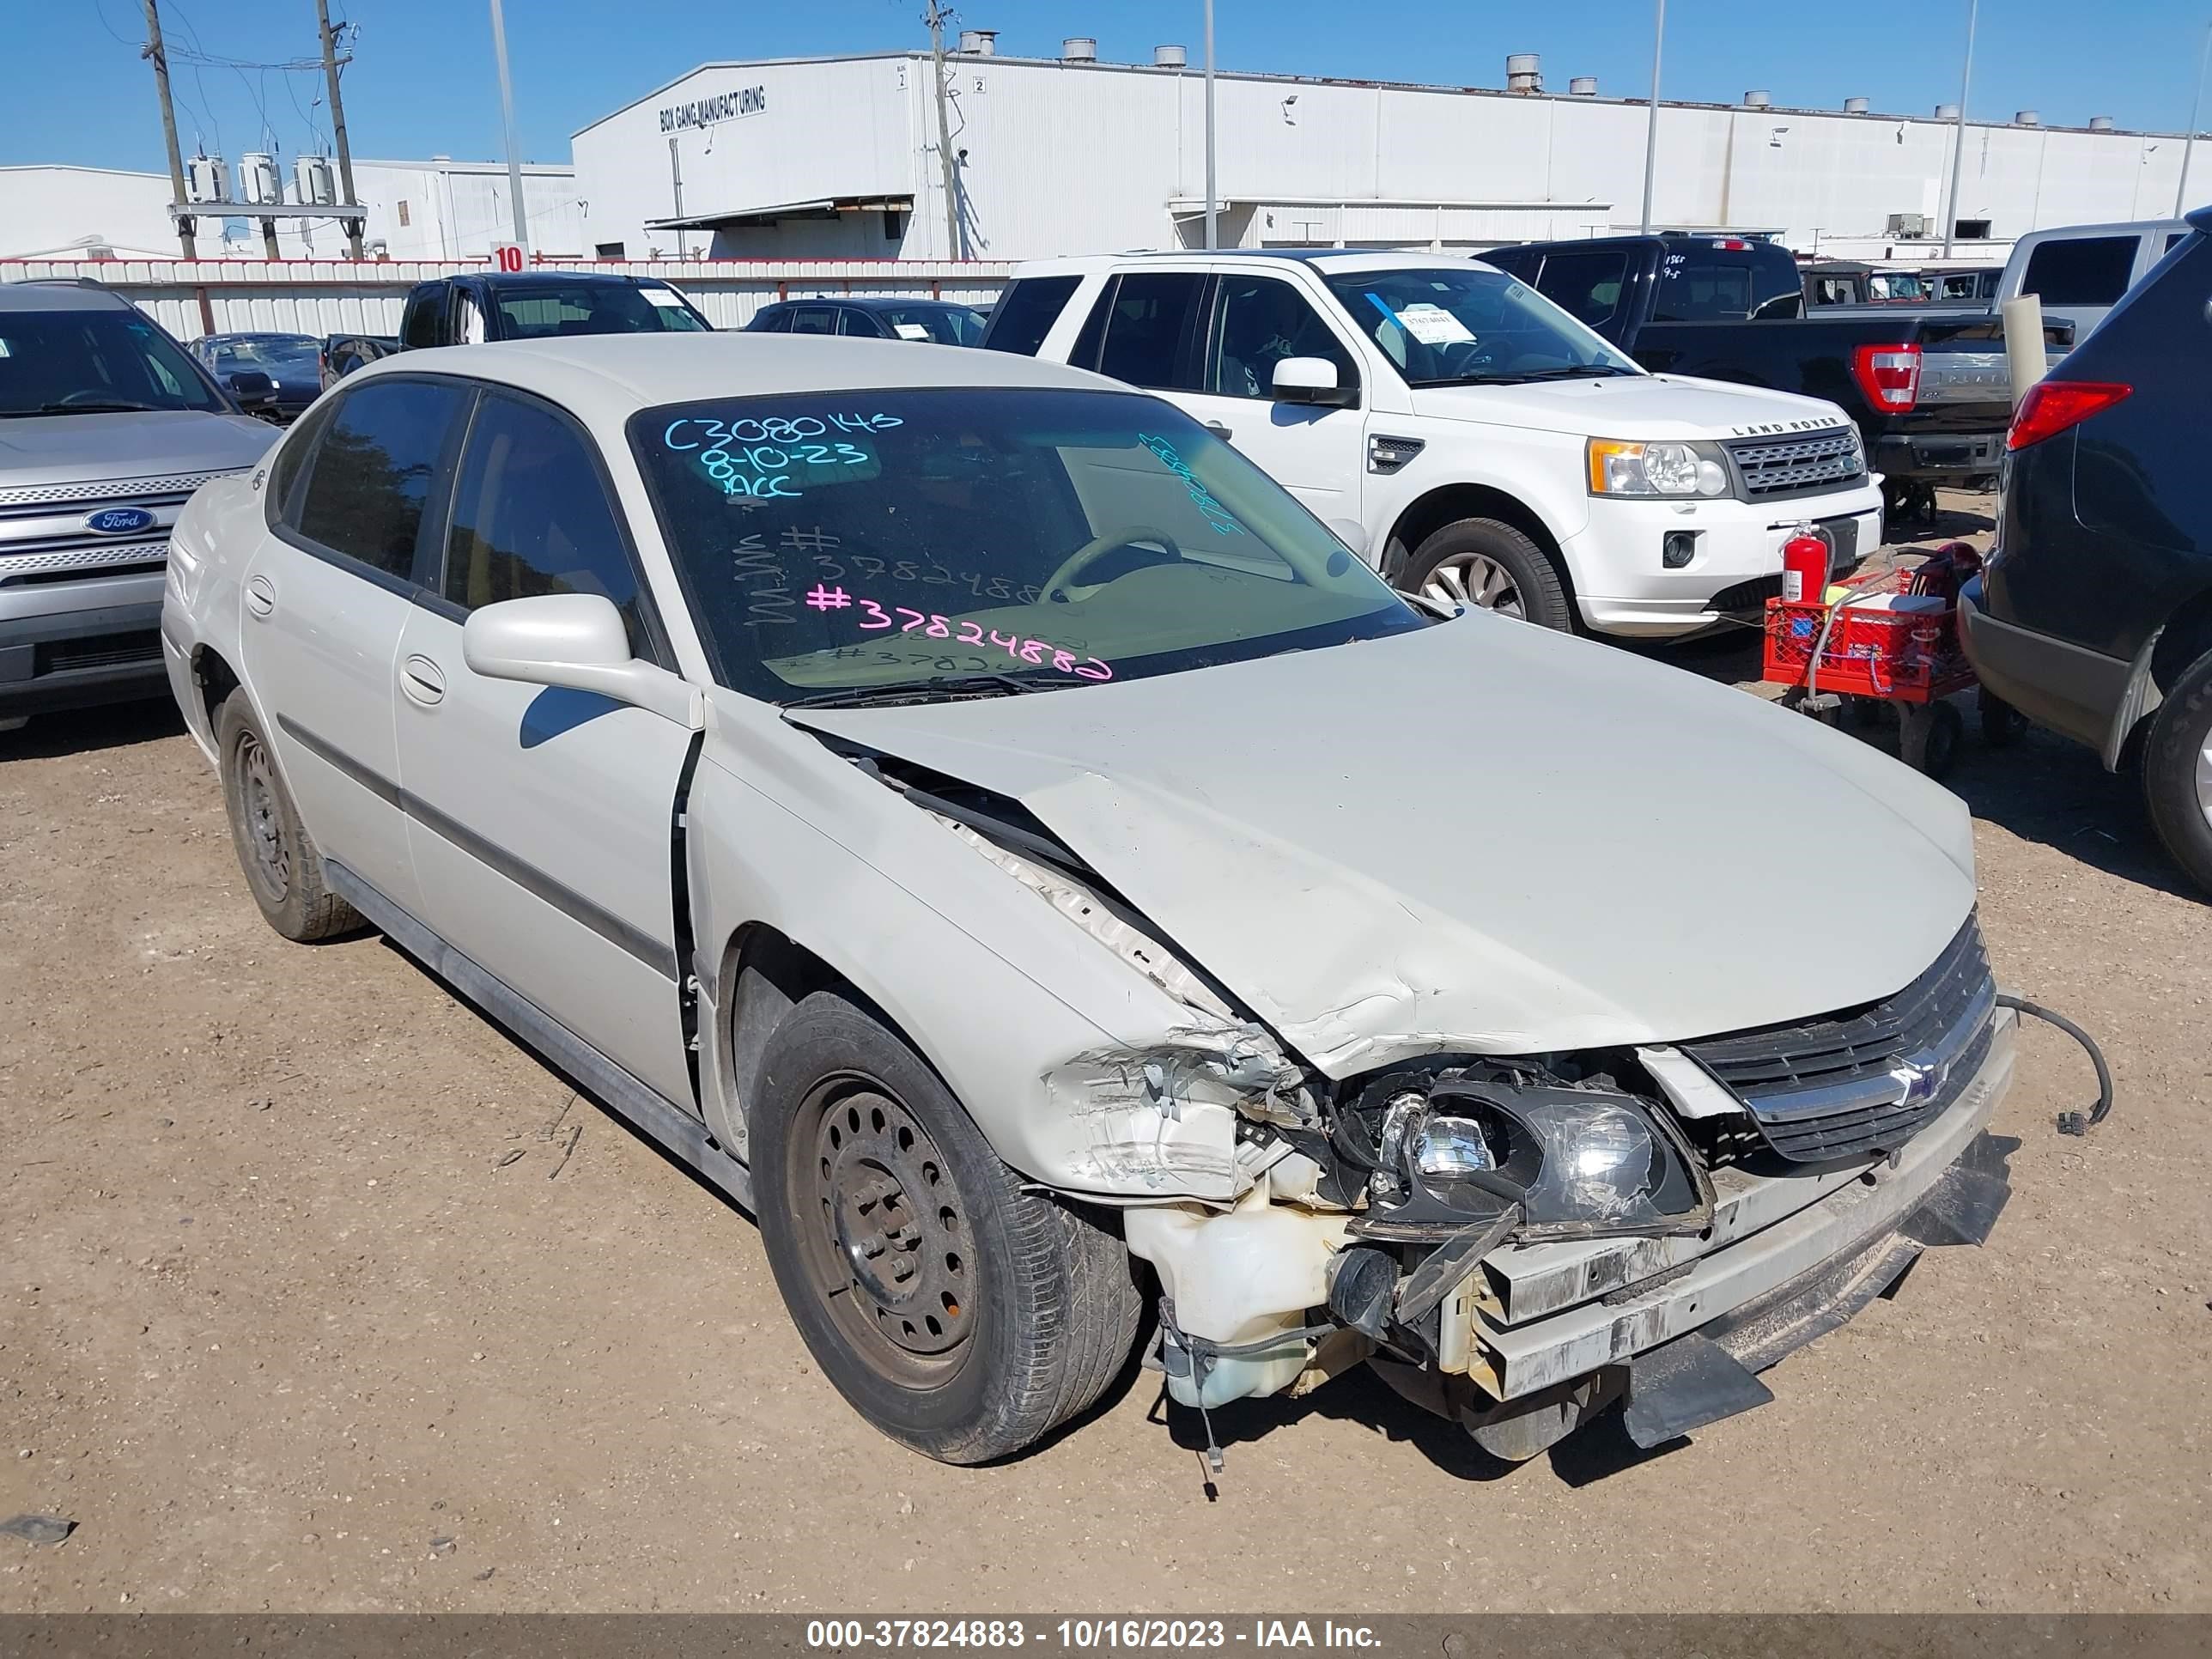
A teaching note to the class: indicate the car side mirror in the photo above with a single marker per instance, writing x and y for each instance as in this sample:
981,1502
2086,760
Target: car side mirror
576,642
255,391
1311,380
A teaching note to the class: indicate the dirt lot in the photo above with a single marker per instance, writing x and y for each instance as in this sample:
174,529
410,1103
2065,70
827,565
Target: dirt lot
311,1297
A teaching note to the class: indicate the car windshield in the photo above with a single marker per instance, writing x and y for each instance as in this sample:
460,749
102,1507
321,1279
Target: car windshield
265,352
878,545
1447,327
70,362
540,313
945,324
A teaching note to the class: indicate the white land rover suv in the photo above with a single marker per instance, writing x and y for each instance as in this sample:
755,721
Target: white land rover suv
1467,437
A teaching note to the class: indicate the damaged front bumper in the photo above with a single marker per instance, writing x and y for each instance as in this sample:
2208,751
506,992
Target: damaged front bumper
1772,1273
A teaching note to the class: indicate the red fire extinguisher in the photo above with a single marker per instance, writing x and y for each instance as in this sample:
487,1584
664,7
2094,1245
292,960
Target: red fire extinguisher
1804,566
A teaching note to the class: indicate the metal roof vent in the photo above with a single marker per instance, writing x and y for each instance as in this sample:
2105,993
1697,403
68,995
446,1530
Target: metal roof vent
978,43
1757,100
2100,124
1078,49
1169,57
1947,112
1524,73
2028,118
1583,86
1855,106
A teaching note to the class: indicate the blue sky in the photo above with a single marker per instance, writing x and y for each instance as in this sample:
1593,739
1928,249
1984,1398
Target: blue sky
75,89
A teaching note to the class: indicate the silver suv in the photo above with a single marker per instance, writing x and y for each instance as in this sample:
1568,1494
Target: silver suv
106,427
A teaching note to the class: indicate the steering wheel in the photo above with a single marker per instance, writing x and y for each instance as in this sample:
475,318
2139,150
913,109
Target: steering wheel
1092,550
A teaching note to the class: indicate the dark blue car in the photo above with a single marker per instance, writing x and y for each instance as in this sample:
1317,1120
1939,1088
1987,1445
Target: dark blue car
2094,616
938,322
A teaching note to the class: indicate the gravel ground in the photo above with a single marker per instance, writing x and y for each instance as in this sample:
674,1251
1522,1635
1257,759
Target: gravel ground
311,1297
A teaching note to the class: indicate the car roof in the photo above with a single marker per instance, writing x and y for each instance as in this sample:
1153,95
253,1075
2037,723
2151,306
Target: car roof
1328,260
60,296
606,377
869,303
559,279
2126,227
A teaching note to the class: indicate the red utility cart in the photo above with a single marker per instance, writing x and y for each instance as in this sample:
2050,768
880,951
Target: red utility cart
1893,638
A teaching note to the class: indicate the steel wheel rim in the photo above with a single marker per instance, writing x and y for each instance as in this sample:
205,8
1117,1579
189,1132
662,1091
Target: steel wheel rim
2205,779
1476,582
270,856
885,1233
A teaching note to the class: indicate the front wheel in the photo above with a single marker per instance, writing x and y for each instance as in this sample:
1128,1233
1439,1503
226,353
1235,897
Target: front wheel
2177,771
963,1315
1487,564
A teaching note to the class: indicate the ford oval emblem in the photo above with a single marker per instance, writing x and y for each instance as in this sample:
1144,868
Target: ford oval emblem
119,520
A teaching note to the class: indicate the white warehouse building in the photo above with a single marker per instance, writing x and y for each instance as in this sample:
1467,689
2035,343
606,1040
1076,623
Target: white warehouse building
838,158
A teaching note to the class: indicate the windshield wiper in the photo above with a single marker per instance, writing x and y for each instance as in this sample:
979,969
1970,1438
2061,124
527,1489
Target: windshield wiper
1579,372
86,406
950,689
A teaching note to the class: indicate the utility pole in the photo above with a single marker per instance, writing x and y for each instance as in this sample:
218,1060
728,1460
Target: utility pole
338,122
935,17
1213,206
153,48
506,114
2189,138
1651,124
1959,134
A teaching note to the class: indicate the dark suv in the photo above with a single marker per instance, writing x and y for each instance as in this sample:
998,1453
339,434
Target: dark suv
2094,614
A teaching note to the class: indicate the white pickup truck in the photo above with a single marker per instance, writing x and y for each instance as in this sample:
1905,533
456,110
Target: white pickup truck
1469,438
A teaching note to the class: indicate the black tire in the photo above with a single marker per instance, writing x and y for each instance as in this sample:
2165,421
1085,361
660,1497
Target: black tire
283,870
1537,588
1015,1311
2178,733
1928,738
2003,725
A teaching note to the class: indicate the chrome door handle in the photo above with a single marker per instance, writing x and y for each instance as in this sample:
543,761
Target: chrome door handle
260,595
1218,430
421,680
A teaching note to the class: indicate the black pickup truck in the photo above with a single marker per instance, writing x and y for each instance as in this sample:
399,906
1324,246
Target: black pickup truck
1928,386
532,304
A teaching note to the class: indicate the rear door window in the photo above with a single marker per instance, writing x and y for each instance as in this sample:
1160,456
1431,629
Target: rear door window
1148,332
1587,286
814,320
850,319
1026,314
2085,270
1700,283
372,473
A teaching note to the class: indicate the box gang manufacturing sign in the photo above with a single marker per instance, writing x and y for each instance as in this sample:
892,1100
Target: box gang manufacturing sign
722,106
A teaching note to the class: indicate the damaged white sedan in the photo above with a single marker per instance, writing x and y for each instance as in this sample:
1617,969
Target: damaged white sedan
974,817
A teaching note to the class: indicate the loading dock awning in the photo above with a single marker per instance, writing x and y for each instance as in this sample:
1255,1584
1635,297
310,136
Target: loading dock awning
825,207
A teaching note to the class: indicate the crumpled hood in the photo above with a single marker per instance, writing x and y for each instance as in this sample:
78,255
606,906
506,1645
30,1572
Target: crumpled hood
1631,406
1482,836
57,449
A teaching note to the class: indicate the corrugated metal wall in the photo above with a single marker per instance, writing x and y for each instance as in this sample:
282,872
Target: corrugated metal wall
222,296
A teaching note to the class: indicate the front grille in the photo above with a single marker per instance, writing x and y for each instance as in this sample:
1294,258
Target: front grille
1798,463
60,564
103,651
1747,596
1866,1079
120,490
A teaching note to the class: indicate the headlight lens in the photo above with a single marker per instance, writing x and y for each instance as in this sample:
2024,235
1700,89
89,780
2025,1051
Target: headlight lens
1664,469
1580,1163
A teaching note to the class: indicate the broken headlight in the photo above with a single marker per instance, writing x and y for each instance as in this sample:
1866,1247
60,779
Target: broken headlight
1580,1162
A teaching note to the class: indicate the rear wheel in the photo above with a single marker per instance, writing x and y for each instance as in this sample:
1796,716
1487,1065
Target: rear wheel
1486,563
2177,771
963,1315
283,870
